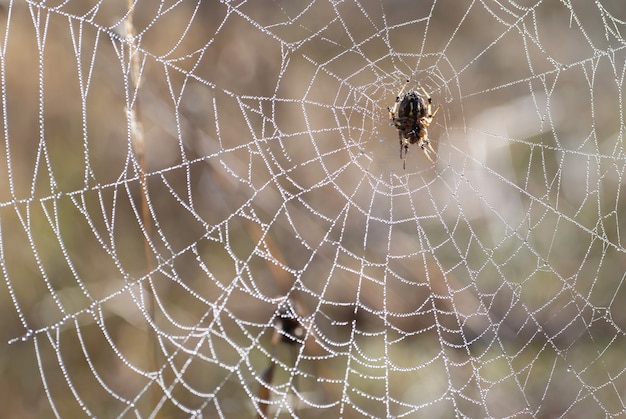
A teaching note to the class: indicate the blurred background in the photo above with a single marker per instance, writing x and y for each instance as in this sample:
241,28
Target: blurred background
175,174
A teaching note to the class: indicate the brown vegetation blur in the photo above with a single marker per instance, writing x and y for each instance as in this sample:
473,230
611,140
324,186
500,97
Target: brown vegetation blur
487,284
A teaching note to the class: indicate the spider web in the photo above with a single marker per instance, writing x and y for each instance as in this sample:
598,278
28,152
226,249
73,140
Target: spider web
203,211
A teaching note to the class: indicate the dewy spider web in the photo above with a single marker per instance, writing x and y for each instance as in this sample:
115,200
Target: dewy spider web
203,211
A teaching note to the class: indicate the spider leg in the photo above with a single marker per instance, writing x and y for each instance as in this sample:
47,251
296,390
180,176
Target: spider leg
402,90
426,147
431,116
404,149
427,152
425,93
432,149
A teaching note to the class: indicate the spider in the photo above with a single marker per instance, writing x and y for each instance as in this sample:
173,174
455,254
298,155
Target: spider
411,115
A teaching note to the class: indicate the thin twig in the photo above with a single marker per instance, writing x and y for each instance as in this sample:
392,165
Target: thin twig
138,142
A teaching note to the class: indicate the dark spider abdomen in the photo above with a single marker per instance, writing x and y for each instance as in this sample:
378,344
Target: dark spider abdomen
412,107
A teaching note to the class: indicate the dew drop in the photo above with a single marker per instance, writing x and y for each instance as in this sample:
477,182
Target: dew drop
28,335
